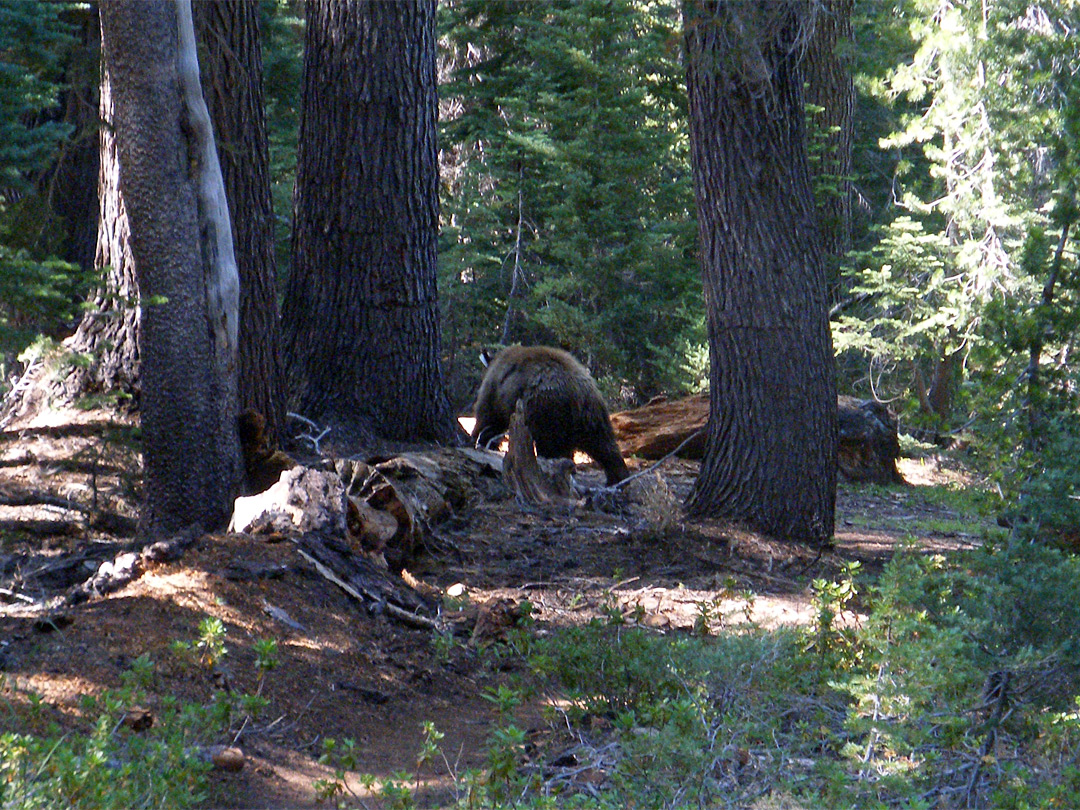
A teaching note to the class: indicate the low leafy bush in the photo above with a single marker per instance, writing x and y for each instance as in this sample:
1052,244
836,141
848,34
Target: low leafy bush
110,766
971,677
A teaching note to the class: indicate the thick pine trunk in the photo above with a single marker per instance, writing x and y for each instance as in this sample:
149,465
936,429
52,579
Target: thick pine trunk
360,317
72,187
232,79
770,455
181,249
109,331
107,337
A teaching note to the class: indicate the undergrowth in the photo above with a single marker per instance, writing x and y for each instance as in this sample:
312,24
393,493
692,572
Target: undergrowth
107,765
124,755
957,688
946,683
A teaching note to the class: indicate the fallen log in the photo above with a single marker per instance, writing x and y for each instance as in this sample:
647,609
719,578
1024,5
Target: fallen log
95,570
868,444
396,502
366,581
385,508
653,431
102,520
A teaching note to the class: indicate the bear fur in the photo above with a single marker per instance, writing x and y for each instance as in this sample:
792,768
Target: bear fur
562,406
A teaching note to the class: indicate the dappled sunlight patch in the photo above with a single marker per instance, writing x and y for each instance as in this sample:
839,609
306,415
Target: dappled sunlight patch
934,471
186,587
663,608
63,692
196,591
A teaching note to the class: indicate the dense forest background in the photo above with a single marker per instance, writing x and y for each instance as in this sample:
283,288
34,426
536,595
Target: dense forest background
568,218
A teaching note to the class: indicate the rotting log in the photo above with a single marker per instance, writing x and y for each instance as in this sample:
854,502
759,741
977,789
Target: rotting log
396,502
386,508
303,499
97,569
654,430
365,581
868,447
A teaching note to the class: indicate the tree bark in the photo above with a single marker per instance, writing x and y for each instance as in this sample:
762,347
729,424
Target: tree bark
182,253
360,316
770,454
109,332
1034,400
72,186
232,79
107,336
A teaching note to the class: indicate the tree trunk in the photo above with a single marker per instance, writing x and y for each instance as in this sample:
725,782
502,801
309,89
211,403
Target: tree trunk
770,454
107,337
72,186
182,252
232,80
109,332
830,85
1035,396
360,317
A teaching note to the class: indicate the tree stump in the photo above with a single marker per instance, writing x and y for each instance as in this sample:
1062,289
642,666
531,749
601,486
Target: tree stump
523,474
869,446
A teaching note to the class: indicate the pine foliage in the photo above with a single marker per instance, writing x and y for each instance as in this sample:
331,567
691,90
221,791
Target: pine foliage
36,289
568,209
973,255
33,43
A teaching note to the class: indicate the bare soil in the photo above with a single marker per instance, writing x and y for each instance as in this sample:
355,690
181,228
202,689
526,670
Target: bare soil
346,671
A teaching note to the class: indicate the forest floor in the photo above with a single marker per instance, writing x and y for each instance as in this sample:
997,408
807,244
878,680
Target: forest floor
345,672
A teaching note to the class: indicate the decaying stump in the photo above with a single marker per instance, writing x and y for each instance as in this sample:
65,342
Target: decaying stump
303,500
523,474
868,446
345,538
385,509
358,522
397,501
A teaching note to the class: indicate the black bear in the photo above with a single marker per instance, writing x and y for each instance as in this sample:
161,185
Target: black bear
562,406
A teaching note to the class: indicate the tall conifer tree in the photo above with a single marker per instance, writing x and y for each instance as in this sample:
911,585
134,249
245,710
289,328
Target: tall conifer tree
770,453
570,218
360,315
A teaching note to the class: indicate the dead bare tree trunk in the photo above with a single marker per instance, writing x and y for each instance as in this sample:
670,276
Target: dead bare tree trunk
228,33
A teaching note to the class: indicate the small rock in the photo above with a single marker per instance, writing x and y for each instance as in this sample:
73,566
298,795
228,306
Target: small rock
227,758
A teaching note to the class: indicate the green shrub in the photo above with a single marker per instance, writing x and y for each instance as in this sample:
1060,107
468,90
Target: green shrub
968,662
695,719
110,766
